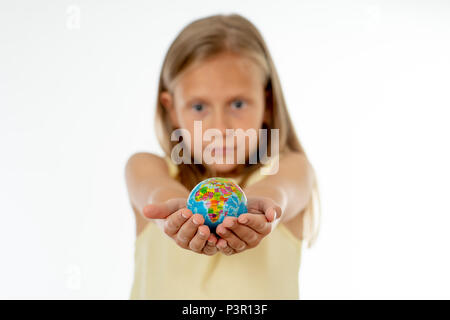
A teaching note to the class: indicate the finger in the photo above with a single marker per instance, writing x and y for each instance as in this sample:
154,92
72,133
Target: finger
232,240
199,240
174,222
223,247
213,238
163,210
265,205
188,230
246,234
210,247
273,213
256,222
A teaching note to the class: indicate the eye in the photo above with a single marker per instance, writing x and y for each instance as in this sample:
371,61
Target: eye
238,104
198,107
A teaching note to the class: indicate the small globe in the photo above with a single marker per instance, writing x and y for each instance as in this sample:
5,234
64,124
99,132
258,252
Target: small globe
217,198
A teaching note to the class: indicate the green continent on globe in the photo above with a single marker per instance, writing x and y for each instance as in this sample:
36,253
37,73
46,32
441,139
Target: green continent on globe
214,194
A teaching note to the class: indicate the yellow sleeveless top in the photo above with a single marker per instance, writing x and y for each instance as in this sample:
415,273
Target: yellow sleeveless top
163,270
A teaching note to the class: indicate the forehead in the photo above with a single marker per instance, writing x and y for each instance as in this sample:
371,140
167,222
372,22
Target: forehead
223,74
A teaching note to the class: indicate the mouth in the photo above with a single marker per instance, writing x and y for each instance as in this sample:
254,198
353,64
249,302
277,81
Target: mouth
220,151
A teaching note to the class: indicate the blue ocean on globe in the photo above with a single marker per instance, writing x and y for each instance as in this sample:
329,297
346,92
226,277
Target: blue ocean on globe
216,198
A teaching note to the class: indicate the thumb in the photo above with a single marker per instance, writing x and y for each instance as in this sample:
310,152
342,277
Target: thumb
164,209
268,206
273,213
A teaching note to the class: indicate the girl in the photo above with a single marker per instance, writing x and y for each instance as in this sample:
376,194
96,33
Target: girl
219,71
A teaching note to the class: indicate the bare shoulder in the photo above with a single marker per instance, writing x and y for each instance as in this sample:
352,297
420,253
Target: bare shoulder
294,157
146,162
297,161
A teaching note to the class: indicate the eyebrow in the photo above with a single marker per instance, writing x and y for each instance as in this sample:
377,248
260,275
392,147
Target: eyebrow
229,100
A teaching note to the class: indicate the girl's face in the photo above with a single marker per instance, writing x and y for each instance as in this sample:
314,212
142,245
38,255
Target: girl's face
223,92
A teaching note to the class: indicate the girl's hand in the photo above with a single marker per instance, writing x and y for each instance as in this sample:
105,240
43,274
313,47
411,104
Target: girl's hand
247,231
185,228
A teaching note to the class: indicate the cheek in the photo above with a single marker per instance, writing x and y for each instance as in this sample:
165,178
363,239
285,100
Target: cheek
255,122
251,144
189,130
185,122
252,119
255,116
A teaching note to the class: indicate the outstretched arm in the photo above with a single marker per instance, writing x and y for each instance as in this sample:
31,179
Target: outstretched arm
155,196
290,187
278,197
148,181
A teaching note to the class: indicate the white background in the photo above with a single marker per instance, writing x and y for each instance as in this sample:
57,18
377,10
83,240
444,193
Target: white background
367,86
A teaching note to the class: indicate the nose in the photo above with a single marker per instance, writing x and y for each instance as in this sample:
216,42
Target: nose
220,121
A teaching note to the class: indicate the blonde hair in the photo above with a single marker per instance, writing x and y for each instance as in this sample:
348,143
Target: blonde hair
205,38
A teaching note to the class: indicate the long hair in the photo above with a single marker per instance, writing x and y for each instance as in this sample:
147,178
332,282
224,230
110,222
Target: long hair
209,36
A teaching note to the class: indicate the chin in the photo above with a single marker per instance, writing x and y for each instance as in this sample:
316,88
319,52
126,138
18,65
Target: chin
223,168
